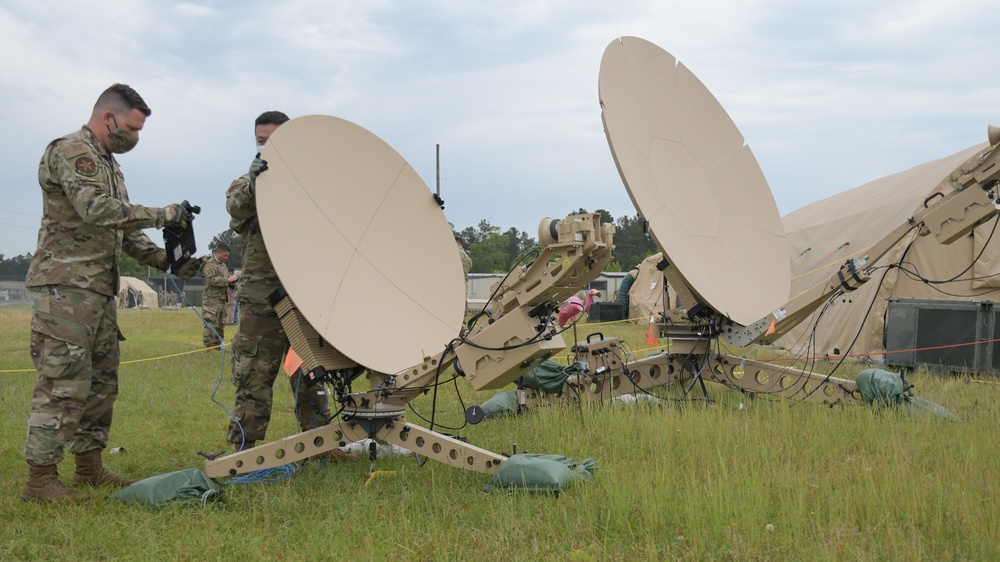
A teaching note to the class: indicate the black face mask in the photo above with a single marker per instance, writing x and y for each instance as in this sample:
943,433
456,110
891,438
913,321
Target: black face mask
120,141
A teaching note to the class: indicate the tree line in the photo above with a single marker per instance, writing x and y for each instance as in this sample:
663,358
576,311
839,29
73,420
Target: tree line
495,250
492,249
17,267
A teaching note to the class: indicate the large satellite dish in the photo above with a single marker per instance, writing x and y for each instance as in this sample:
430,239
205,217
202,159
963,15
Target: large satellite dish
694,181
359,243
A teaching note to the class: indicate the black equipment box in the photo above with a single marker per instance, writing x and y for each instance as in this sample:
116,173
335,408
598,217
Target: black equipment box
607,312
945,336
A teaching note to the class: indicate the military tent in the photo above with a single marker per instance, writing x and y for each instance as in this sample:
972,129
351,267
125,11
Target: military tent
645,296
135,293
823,235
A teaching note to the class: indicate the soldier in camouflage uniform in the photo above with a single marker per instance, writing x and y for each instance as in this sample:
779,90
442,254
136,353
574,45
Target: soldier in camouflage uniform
466,260
87,223
215,299
260,342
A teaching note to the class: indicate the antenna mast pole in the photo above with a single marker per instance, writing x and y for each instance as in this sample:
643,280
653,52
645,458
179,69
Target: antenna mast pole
437,158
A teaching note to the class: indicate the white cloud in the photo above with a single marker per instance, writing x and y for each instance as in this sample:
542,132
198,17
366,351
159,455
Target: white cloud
194,10
828,95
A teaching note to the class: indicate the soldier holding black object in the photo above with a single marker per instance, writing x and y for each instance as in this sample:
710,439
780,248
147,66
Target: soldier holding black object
87,223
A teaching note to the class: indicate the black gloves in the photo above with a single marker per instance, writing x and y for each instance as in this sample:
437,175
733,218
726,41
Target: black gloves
257,167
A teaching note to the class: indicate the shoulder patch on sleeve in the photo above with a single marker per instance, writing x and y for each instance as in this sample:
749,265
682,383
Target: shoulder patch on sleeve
72,150
80,157
85,166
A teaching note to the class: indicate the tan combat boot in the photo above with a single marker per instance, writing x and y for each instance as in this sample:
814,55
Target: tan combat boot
91,471
44,486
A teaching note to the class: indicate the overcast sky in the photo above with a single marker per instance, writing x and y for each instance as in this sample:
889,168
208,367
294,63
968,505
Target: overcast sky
828,95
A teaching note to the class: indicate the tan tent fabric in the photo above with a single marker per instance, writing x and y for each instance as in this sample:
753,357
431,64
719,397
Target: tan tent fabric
645,297
147,296
987,268
823,235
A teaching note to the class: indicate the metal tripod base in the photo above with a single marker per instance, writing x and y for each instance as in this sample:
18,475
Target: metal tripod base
398,432
691,361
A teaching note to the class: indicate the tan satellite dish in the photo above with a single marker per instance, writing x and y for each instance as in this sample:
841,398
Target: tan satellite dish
695,182
359,243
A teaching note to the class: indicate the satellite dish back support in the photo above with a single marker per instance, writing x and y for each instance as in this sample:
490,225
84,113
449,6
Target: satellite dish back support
694,181
359,244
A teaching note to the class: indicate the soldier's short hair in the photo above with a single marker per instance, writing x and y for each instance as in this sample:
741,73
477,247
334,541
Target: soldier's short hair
221,248
119,99
271,118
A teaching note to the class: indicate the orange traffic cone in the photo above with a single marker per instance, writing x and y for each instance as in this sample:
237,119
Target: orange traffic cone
292,362
651,340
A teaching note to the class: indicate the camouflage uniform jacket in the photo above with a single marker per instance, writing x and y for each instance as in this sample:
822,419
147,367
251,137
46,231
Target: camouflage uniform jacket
87,220
216,277
466,262
259,279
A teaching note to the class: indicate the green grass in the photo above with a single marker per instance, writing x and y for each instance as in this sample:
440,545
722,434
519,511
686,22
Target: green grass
679,481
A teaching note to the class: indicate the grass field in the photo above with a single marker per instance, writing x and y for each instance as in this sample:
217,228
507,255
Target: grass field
738,480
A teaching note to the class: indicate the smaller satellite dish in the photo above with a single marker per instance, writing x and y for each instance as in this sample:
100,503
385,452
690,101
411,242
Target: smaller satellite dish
359,243
694,181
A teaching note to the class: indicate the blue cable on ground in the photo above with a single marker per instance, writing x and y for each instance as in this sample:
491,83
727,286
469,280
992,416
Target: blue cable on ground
222,358
263,476
266,475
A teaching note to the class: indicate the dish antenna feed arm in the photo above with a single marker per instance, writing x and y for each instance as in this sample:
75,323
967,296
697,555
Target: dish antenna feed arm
967,198
520,337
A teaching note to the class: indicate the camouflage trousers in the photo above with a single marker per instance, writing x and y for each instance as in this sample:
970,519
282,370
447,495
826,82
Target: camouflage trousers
258,349
214,313
74,346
